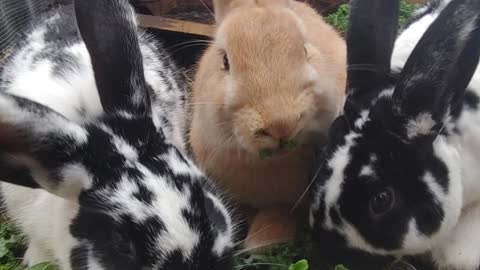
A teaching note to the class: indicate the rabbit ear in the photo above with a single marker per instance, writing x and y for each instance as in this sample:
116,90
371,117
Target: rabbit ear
38,146
370,39
109,31
221,8
441,66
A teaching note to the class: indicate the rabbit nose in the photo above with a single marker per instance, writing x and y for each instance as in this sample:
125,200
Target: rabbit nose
279,130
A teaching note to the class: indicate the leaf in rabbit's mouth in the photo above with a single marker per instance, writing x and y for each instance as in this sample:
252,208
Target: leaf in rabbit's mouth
266,153
283,147
288,145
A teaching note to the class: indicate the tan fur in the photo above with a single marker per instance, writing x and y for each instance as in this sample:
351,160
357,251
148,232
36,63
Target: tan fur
273,92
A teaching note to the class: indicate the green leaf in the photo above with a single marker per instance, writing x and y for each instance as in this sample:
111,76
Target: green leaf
339,18
266,153
340,267
43,266
300,265
288,145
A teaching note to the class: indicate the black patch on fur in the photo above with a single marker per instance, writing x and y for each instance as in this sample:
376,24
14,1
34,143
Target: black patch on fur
215,215
79,257
335,216
471,100
16,174
144,195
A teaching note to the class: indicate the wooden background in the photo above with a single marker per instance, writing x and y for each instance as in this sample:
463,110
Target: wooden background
195,16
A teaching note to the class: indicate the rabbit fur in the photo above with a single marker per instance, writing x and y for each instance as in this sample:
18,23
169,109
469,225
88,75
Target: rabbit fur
399,174
274,72
92,149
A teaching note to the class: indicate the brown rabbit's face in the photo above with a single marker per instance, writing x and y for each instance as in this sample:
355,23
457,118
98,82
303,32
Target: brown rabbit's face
272,93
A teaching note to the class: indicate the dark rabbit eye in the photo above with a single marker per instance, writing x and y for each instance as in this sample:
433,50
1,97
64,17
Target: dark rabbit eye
382,202
226,64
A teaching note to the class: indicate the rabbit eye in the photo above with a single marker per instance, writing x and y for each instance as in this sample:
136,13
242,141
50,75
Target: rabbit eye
382,202
226,64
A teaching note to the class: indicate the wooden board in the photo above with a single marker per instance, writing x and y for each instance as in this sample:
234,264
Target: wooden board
159,22
195,16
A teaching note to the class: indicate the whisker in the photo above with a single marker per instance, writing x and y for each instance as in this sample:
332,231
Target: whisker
306,191
259,264
407,263
252,235
243,251
207,7
199,41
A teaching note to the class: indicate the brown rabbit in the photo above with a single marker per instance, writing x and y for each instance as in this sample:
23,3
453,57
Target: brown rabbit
274,76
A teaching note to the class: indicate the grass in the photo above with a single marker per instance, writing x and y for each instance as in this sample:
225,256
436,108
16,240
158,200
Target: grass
283,257
339,18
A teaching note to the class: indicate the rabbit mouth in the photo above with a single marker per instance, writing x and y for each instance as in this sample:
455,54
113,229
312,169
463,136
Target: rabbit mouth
284,148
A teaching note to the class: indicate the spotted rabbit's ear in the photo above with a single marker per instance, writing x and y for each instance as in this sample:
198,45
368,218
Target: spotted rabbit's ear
109,30
40,149
437,73
370,38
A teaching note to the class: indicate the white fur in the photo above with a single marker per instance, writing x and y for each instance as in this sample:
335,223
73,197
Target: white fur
338,163
367,171
363,119
178,167
420,126
461,250
45,218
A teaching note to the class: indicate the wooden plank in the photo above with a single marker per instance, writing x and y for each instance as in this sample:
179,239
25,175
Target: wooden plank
159,7
162,23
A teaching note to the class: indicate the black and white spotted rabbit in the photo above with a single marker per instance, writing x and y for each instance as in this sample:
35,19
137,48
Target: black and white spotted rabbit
400,174
99,180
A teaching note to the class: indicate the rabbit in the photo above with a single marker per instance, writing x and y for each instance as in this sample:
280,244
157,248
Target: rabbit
92,161
271,82
399,173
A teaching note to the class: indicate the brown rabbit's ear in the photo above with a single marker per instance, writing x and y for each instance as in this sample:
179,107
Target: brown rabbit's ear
222,8
281,3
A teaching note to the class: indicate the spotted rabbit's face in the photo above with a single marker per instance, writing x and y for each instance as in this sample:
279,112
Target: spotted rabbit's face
147,206
389,182
383,192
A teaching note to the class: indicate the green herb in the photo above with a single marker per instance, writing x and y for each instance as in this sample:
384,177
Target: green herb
43,266
339,18
300,265
288,145
340,267
266,153
279,257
